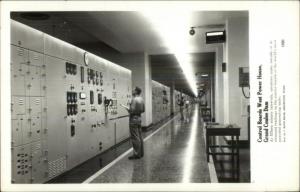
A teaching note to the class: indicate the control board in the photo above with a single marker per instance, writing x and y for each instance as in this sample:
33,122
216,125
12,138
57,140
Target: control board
161,107
64,104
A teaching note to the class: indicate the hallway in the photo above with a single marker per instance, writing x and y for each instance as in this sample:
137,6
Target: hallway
175,153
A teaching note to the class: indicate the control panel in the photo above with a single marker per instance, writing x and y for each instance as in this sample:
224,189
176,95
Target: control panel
64,107
160,101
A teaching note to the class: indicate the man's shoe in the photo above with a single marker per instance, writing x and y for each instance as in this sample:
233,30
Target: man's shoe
133,157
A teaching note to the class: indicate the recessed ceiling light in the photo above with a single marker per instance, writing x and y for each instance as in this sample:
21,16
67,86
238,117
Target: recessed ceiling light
204,75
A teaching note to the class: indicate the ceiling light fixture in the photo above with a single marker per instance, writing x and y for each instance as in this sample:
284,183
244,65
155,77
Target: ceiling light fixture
171,27
215,37
192,30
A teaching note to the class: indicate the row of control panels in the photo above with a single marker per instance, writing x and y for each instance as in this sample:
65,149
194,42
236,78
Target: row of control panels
65,109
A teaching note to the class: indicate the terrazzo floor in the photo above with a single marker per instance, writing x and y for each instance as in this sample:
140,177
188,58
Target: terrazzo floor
174,154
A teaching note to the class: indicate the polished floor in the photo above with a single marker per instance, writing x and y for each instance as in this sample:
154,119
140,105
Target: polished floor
83,171
174,153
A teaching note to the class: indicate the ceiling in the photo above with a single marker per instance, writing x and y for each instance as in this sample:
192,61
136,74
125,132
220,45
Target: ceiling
166,70
131,32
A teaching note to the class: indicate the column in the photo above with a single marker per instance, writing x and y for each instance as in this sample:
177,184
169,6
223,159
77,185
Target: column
237,55
219,103
140,66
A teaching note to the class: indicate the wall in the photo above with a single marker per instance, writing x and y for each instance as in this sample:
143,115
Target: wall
102,50
212,95
237,55
148,91
219,103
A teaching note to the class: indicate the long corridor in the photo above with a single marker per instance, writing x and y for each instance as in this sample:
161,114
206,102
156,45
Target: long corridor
175,153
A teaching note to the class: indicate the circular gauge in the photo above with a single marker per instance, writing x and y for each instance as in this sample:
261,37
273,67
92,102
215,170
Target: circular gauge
86,58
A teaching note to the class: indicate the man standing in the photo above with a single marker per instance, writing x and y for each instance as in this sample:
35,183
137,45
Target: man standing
136,108
187,104
180,102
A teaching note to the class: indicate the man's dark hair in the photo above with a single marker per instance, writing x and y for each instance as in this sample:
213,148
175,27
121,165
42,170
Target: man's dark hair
138,90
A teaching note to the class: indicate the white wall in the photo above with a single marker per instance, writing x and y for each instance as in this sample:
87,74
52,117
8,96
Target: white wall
237,55
225,84
219,102
147,91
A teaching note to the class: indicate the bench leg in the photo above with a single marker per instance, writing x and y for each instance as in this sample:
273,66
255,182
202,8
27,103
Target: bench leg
207,147
232,157
238,158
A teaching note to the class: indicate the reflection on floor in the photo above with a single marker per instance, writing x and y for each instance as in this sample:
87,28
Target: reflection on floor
174,153
83,171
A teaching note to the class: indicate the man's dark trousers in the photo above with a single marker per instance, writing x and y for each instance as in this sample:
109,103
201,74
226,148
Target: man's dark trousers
136,135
